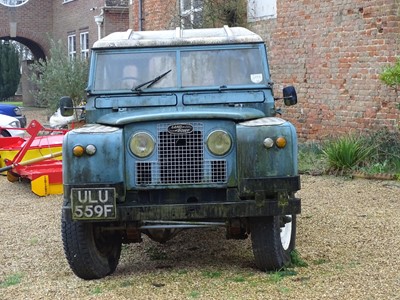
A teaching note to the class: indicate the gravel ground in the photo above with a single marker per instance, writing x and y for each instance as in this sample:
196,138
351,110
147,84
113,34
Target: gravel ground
348,233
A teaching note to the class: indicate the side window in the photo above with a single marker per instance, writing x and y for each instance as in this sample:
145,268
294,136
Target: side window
191,13
261,10
72,46
84,42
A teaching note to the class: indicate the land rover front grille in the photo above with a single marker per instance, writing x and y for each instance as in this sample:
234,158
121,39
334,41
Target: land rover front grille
181,160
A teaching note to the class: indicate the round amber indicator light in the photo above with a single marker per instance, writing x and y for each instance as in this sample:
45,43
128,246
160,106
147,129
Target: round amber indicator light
78,151
281,142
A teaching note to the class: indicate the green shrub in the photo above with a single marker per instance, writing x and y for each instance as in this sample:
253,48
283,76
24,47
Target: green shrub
385,157
59,76
346,153
374,153
311,159
9,70
391,75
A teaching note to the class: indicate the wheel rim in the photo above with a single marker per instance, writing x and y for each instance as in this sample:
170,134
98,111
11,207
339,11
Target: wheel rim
286,234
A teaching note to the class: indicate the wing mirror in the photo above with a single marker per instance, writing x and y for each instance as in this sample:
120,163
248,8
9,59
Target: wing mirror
289,96
66,106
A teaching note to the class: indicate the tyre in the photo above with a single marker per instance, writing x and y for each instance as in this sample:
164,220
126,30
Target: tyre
4,133
91,252
273,238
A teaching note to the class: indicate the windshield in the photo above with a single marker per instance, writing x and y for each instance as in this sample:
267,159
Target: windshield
126,71
221,67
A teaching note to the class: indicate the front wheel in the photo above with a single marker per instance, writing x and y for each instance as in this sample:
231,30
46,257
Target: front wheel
4,133
92,252
273,238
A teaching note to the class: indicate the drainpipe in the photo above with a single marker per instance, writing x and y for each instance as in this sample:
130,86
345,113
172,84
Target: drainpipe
99,21
140,15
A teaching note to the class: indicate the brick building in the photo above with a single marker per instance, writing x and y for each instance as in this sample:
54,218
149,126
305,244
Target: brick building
76,22
332,51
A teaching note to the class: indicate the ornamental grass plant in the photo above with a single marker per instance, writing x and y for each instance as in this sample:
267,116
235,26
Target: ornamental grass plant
347,153
374,153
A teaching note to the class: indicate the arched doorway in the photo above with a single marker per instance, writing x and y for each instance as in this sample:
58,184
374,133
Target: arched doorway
29,51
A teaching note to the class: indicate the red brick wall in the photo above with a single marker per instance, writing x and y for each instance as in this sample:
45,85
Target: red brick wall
116,20
156,14
34,21
75,17
333,52
78,16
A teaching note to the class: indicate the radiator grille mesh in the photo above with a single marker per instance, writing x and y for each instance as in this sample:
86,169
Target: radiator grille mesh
180,160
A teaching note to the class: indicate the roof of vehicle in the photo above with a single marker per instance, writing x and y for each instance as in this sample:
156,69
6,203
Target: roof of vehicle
7,105
7,108
177,37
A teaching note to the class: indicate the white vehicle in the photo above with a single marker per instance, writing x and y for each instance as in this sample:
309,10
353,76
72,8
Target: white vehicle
7,122
58,121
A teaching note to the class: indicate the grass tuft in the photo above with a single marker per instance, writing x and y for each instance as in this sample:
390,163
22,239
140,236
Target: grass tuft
156,254
346,153
277,276
373,153
296,260
11,280
212,274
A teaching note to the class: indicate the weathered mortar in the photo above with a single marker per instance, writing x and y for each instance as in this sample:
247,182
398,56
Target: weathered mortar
333,52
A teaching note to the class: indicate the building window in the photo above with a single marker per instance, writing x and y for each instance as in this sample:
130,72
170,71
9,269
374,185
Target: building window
261,10
191,13
84,42
13,3
72,46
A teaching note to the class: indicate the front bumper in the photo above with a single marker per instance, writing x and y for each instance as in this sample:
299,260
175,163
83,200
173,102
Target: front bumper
226,210
232,206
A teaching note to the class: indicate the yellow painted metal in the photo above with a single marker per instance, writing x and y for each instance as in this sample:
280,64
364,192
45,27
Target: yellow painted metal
42,187
30,154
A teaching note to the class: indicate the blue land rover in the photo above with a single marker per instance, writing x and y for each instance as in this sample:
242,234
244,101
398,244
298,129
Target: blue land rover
181,132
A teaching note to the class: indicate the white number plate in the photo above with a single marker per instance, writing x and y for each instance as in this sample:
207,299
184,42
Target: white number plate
93,203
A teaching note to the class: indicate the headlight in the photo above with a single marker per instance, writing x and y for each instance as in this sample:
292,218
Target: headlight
15,124
142,144
219,142
17,111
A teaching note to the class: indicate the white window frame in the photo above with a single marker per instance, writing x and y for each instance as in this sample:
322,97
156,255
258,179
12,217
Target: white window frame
84,44
191,12
13,3
72,46
261,10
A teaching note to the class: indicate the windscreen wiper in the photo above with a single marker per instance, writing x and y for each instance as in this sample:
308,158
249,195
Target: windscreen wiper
150,82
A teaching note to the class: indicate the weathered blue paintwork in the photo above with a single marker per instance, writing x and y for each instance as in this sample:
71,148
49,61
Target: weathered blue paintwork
255,179
182,132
